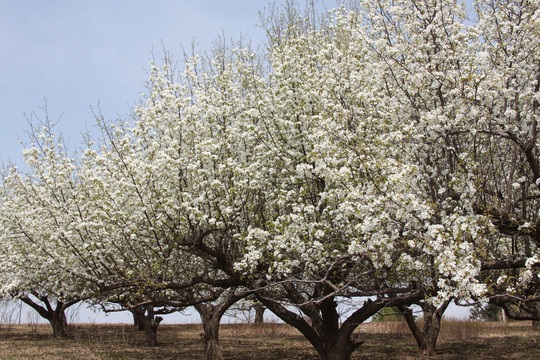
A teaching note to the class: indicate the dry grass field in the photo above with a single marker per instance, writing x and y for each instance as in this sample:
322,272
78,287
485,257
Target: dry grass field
458,340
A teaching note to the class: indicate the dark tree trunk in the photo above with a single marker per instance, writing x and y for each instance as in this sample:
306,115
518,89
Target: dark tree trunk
331,341
426,338
150,331
336,341
138,317
259,314
150,323
340,347
323,330
211,316
59,324
55,316
210,338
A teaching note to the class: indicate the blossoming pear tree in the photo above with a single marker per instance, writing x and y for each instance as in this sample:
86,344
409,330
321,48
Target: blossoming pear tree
506,113
387,156
477,91
373,150
36,206
362,174
164,186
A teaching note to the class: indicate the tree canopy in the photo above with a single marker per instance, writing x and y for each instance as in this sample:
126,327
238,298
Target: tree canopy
382,154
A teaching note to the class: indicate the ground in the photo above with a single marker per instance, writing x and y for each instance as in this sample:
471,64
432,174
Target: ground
459,340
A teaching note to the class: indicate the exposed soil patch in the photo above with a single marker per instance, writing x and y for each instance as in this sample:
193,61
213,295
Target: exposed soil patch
459,340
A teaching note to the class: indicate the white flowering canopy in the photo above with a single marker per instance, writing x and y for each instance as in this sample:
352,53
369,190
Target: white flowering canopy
390,151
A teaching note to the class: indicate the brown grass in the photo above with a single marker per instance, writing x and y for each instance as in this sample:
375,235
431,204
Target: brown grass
386,340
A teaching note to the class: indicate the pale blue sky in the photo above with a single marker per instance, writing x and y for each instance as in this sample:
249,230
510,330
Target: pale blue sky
76,53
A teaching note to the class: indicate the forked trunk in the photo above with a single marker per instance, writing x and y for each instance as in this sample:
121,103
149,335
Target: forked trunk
55,316
211,315
331,339
320,323
426,338
150,324
150,334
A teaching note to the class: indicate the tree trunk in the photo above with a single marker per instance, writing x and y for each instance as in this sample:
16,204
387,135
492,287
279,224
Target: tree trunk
323,330
259,314
150,324
55,316
212,349
335,354
150,331
138,317
336,340
319,321
427,338
338,348
430,342
432,326
211,316
58,323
